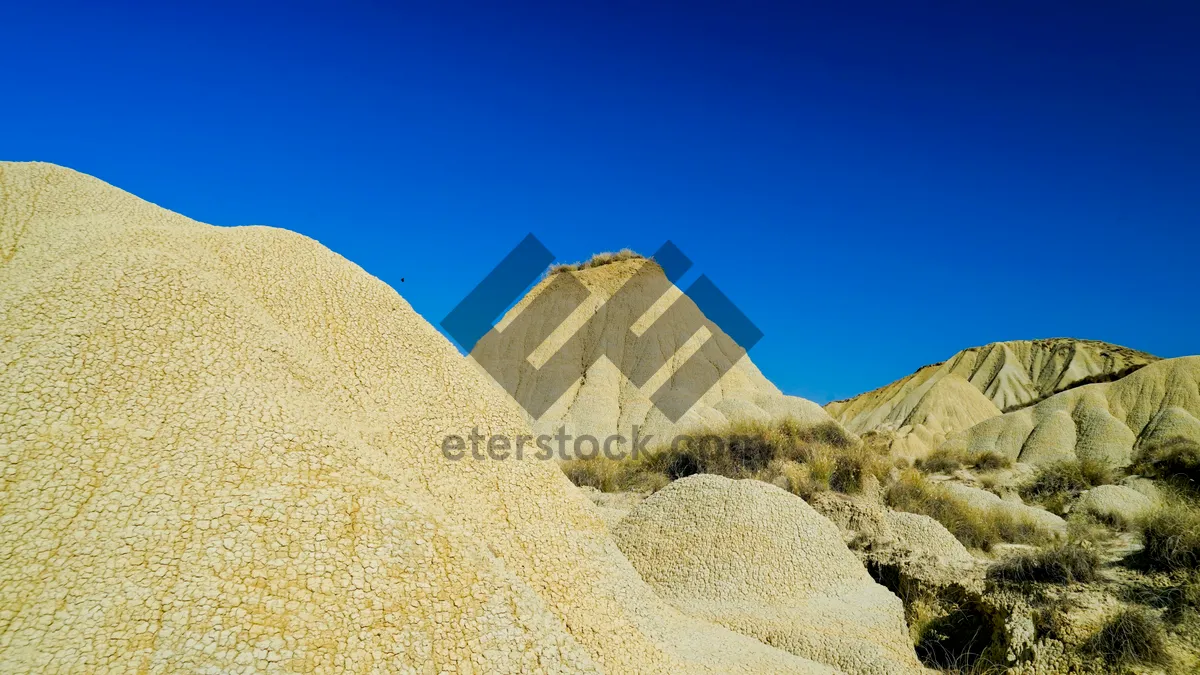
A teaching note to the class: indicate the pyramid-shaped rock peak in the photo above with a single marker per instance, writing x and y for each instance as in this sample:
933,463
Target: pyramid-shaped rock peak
590,341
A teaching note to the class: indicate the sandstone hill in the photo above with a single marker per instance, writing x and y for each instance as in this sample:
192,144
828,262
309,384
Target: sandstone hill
220,452
922,410
759,560
1109,421
600,399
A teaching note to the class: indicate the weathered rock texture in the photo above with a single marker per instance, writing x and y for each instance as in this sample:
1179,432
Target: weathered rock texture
1108,421
1115,503
220,452
923,409
986,501
912,555
759,560
603,401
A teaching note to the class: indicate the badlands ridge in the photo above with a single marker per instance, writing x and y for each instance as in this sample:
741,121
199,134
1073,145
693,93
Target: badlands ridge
221,452
921,411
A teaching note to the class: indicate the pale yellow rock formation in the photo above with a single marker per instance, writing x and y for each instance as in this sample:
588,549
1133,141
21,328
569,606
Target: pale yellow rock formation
220,452
761,561
921,411
1107,421
917,545
925,539
987,502
1115,503
603,401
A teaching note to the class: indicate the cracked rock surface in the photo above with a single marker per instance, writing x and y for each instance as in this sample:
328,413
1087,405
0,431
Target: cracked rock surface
220,453
759,560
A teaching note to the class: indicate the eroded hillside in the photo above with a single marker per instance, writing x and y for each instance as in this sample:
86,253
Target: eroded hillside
922,410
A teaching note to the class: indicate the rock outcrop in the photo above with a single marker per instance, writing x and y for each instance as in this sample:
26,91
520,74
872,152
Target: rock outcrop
1117,504
989,503
1110,421
920,411
603,401
759,560
220,451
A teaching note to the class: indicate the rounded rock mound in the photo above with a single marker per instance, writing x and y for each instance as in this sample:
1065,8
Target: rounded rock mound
759,560
1118,504
1109,421
989,503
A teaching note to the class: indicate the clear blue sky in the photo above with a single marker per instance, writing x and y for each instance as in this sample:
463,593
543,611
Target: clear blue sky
875,185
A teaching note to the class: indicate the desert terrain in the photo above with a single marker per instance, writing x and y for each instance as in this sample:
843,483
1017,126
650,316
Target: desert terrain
222,451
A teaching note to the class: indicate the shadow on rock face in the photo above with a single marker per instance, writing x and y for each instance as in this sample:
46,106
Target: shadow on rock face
956,640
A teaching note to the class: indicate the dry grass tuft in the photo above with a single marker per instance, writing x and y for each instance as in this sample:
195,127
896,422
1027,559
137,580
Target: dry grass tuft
974,527
803,458
945,460
1176,462
1073,562
1171,537
1055,485
597,260
1132,637
608,475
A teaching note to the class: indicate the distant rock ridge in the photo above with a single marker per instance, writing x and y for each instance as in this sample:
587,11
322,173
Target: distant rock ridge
922,410
1109,421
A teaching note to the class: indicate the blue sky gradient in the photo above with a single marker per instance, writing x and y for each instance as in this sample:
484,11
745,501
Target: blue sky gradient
876,185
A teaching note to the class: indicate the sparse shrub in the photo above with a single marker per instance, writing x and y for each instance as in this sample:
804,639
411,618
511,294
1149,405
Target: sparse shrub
1050,620
992,461
941,461
609,475
825,433
1097,530
803,480
1054,485
956,641
1075,475
1132,637
1171,538
1176,462
597,260
1073,562
809,458
1014,529
877,441
851,467
990,483
947,460
974,527
589,473
831,458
